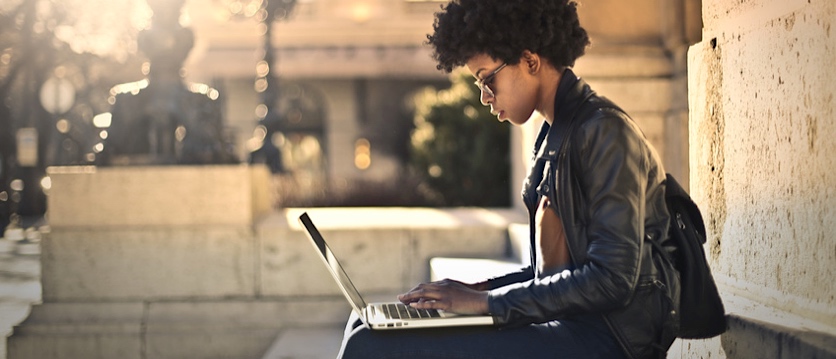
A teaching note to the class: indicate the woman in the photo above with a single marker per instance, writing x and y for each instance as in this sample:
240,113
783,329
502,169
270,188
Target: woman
595,195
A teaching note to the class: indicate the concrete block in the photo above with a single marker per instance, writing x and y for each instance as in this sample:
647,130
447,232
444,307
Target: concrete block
306,343
384,250
751,338
157,196
756,330
127,314
476,241
79,330
290,265
470,270
62,346
149,263
520,242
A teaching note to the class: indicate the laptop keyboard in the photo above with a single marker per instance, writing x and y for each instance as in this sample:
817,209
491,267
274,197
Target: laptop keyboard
401,311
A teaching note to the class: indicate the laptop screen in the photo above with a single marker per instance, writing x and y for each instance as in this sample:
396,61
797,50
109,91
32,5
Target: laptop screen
333,265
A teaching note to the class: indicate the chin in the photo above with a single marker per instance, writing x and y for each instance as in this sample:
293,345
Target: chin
513,121
502,118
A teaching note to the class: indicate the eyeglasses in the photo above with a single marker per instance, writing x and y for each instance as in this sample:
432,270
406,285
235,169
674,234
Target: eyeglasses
485,82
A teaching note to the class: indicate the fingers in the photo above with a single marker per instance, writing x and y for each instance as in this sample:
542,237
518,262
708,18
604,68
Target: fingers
423,292
429,292
443,295
430,304
447,295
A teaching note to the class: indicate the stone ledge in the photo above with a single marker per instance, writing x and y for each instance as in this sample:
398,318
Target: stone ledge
756,330
141,196
152,263
752,338
470,270
363,218
519,246
360,237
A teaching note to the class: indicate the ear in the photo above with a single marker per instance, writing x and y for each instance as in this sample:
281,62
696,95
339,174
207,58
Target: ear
531,61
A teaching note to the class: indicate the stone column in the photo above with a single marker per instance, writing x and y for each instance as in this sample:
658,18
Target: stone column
761,127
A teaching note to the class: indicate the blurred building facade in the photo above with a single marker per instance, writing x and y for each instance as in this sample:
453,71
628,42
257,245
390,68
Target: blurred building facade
347,72
351,67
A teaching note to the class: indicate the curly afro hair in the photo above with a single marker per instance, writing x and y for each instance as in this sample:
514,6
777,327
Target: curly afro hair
503,29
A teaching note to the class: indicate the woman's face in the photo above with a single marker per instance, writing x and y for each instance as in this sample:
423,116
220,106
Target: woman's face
514,90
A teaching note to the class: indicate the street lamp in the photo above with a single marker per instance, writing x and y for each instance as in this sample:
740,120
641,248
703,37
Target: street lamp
57,93
267,81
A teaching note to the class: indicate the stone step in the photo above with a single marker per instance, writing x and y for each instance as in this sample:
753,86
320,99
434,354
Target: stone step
306,343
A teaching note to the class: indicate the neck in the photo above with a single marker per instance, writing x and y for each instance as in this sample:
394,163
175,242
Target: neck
549,81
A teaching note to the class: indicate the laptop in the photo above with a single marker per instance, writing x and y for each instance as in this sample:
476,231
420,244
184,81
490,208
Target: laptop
393,315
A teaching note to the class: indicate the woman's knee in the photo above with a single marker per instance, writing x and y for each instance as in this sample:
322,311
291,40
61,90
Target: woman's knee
359,343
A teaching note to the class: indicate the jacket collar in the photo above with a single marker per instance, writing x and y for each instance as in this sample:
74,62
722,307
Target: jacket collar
572,91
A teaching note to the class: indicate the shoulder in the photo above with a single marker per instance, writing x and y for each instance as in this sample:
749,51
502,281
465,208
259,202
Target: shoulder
603,120
608,135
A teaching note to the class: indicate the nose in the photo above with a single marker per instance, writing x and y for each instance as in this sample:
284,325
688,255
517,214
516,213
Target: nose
484,97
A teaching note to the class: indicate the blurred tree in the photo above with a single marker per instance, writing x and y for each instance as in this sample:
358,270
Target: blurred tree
460,149
84,42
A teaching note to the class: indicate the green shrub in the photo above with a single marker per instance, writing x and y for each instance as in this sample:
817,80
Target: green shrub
459,149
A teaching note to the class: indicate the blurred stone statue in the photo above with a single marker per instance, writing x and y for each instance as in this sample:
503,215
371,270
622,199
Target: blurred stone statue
161,119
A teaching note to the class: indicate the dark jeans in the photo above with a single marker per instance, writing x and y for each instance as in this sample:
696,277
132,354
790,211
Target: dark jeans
583,337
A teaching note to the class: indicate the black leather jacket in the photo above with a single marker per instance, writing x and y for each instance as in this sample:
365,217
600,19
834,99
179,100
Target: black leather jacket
607,185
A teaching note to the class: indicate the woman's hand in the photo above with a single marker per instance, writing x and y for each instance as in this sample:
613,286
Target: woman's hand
448,295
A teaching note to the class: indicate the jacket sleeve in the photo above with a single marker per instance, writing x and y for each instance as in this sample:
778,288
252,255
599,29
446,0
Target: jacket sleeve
608,226
522,275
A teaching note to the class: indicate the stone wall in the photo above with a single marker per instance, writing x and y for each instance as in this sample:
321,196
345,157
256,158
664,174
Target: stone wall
762,103
192,262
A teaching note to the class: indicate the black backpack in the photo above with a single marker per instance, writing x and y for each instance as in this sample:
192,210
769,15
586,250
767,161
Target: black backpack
701,312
